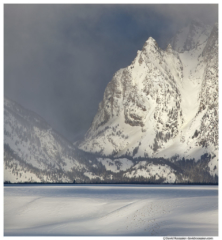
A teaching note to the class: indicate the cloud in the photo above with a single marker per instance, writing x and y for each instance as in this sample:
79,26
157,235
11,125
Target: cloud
59,58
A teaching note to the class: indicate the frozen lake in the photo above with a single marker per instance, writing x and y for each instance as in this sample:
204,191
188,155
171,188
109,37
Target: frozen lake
110,210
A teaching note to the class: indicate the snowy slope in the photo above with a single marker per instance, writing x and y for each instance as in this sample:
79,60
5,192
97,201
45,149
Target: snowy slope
34,152
111,210
165,104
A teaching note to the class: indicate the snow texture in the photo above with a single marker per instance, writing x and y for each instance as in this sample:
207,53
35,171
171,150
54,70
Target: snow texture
110,210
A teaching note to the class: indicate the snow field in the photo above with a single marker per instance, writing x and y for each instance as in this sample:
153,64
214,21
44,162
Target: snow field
110,210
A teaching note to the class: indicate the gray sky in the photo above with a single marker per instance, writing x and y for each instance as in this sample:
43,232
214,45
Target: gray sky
58,59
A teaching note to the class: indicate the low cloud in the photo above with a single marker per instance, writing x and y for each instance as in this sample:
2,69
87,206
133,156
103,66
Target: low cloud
59,58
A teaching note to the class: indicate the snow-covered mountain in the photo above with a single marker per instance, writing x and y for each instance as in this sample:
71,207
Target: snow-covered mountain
158,122
165,104
34,152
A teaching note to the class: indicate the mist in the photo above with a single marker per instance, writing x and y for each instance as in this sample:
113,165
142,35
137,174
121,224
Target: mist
58,59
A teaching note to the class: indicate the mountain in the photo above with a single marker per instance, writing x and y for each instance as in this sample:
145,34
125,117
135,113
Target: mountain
157,123
34,152
164,105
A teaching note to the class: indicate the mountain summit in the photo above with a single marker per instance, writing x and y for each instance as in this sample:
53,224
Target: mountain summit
165,104
157,123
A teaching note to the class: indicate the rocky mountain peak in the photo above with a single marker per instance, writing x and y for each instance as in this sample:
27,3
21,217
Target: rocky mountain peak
191,36
151,41
150,45
151,107
169,48
211,47
196,22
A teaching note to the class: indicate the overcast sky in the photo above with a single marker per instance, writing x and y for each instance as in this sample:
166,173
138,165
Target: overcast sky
58,59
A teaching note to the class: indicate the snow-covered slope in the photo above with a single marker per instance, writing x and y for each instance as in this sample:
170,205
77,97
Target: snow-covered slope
111,210
165,104
34,152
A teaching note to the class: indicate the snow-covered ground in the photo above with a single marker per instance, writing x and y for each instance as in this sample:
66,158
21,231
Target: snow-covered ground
150,210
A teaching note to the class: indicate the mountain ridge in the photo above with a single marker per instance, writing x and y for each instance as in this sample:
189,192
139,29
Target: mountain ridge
157,123
155,105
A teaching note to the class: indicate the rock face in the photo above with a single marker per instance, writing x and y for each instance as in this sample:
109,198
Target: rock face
165,104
